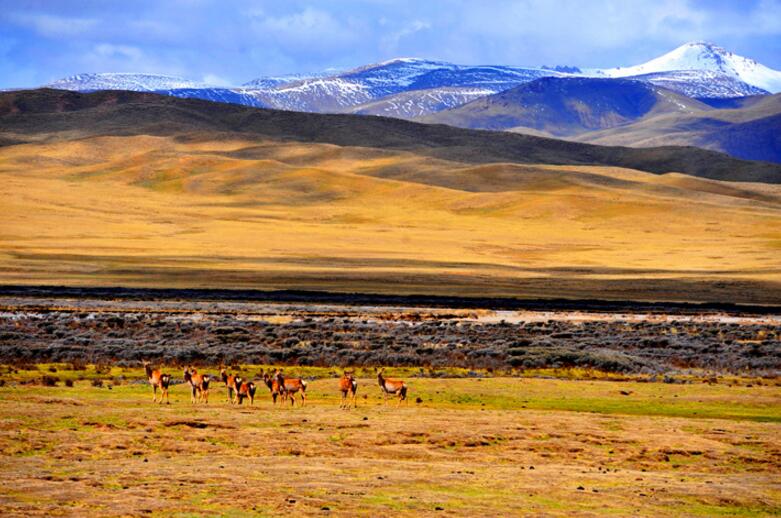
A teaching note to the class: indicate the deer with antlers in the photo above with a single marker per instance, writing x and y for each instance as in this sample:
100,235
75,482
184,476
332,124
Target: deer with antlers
158,380
391,386
199,385
348,385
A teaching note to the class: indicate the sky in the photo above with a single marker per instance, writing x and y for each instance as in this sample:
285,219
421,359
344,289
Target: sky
226,42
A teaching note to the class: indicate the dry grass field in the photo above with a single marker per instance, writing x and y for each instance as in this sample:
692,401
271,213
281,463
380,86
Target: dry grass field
200,212
515,446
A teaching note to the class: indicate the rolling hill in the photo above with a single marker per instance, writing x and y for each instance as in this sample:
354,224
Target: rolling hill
46,114
137,189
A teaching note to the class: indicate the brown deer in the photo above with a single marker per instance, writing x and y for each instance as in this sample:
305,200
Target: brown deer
245,389
158,380
348,385
273,386
199,384
390,386
289,387
230,384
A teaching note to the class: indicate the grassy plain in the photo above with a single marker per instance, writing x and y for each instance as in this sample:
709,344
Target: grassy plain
161,211
523,446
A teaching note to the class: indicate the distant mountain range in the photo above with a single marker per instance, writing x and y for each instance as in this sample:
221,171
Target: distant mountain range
696,69
565,102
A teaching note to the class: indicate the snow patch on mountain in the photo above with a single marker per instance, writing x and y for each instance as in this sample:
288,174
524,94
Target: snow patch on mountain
701,84
418,103
123,81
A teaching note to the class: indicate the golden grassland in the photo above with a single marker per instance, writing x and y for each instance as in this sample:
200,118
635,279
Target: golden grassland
556,447
158,211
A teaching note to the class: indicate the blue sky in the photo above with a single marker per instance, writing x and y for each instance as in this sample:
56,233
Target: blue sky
231,42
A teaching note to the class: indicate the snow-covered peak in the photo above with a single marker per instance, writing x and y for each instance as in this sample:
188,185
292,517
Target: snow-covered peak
701,55
123,81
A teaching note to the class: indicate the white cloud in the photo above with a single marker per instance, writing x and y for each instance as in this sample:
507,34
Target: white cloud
215,80
311,30
55,26
390,42
109,50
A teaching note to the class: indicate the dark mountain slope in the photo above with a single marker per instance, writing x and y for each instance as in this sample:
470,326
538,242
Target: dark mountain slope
751,130
50,114
565,107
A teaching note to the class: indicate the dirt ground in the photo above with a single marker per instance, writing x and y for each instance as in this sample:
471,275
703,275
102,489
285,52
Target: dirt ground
494,446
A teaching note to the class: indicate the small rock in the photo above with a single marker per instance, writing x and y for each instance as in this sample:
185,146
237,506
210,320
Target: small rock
581,488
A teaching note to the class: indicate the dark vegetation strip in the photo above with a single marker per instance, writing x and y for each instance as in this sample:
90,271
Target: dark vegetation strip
369,299
347,336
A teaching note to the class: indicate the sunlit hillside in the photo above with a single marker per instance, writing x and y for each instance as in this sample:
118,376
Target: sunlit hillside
234,211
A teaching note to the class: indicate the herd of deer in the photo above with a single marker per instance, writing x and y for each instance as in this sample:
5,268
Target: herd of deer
281,387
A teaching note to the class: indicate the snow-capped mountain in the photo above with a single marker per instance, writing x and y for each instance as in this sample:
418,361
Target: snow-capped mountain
123,81
435,82
707,57
412,87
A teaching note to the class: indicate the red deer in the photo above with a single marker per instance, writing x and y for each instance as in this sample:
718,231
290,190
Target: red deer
348,385
286,387
199,384
273,386
245,389
158,380
389,386
230,384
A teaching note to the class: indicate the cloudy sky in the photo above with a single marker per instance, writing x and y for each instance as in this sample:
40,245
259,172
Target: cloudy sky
231,42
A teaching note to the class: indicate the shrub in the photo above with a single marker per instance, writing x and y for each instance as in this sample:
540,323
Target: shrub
49,381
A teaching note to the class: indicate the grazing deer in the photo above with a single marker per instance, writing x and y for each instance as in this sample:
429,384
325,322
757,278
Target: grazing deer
245,389
348,385
199,384
389,386
230,384
286,387
158,380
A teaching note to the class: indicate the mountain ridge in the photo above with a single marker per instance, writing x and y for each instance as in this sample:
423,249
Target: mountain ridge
37,114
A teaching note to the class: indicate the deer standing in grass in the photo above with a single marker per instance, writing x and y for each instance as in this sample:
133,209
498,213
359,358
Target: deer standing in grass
158,380
199,385
273,386
286,387
391,386
244,390
230,384
348,385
